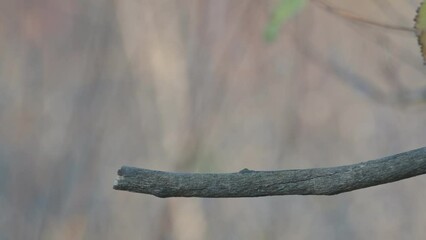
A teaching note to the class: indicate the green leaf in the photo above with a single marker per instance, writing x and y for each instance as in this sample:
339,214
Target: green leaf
285,10
420,28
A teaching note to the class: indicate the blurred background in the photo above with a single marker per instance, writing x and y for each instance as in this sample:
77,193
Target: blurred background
193,86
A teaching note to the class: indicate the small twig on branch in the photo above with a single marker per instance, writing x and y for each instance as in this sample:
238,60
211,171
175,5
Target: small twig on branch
248,183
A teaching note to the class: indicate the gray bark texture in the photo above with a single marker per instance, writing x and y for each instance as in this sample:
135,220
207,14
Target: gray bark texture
249,183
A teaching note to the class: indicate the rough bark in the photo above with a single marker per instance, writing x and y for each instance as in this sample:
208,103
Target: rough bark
249,183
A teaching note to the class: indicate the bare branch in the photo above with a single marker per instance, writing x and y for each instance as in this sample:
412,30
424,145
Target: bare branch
355,18
248,183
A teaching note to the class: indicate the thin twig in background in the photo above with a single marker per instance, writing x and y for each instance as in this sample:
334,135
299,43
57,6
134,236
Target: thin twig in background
355,18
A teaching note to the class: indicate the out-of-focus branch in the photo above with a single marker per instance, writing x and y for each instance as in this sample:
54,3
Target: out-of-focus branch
248,183
355,18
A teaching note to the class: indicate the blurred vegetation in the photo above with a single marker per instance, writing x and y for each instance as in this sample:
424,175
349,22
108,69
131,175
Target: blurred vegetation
88,86
285,10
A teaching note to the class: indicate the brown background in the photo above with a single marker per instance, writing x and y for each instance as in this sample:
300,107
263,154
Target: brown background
88,86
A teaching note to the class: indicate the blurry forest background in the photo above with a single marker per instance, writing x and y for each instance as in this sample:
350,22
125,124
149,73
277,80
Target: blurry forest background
88,86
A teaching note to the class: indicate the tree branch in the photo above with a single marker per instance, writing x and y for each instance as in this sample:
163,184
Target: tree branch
248,183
